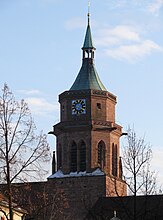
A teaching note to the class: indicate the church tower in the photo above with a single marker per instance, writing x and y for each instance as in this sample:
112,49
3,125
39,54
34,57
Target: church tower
87,134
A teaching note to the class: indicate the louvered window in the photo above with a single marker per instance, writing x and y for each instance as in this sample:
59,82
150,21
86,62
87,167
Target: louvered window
101,154
60,156
114,159
73,157
82,150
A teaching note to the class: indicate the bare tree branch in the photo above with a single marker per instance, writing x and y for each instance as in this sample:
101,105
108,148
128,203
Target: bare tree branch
22,152
136,162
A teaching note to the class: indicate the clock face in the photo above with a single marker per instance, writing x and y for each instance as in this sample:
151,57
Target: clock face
78,106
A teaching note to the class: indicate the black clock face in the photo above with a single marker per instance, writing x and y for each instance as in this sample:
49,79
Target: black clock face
78,106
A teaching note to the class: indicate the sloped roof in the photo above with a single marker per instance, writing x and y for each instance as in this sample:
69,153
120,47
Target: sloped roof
88,42
88,78
148,207
5,203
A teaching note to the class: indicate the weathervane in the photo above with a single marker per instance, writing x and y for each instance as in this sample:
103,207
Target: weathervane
89,4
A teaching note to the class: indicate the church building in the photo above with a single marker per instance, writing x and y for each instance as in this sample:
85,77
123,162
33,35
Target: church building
87,164
87,180
88,138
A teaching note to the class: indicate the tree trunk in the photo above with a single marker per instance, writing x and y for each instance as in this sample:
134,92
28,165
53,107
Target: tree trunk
135,188
8,177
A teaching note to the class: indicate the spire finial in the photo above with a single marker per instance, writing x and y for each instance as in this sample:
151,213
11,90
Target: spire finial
89,4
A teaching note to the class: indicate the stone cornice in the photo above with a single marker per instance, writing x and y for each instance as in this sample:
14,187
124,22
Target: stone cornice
81,93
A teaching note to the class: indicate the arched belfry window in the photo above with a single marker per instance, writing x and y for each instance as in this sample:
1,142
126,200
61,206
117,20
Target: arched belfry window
101,154
60,156
114,159
73,157
82,156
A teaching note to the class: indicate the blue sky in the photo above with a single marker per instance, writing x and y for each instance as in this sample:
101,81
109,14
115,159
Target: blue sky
40,56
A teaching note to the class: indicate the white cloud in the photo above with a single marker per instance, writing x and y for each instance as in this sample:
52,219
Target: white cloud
41,106
113,4
125,32
133,52
37,103
116,35
153,6
29,92
156,6
125,43
75,23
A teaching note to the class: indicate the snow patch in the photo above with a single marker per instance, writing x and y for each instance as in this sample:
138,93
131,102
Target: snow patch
59,174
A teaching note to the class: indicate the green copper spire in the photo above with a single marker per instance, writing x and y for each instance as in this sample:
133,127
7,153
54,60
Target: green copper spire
88,42
87,77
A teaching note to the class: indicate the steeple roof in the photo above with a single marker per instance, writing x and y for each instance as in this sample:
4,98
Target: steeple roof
88,77
88,42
